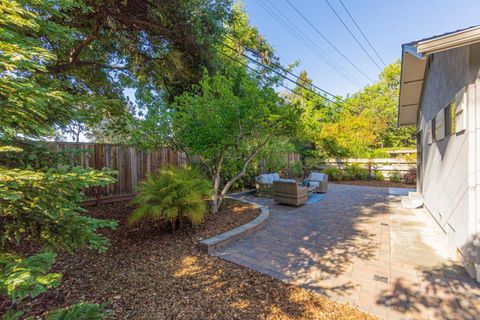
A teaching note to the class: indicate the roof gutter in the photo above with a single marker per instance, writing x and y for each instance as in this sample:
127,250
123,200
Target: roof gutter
411,48
449,41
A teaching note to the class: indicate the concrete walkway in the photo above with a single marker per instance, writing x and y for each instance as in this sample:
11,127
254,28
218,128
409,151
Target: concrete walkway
359,245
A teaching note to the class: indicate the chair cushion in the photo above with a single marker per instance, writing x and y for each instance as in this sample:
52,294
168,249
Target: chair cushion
262,178
269,178
314,184
316,176
276,176
290,181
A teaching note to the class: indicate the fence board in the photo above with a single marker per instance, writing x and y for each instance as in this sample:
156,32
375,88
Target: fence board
131,164
385,166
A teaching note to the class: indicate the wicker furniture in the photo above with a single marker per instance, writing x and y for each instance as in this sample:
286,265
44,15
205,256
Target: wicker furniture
319,181
287,191
264,183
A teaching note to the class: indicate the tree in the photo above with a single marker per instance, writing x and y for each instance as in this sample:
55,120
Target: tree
350,136
366,121
64,60
380,100
227,117
315,111
39,206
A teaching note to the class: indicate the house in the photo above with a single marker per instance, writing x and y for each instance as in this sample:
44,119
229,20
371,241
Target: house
440,94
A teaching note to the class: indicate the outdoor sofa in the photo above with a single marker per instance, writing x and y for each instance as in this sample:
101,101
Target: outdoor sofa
287,191
319,181
264,183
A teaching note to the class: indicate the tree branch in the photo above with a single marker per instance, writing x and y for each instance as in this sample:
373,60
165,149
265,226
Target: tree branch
75,52
67,66
229,184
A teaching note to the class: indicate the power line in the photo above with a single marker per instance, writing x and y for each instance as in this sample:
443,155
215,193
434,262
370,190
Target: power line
283,76
288,71
315,46
307,42
328,41
365,37
352,34
276,72
258,72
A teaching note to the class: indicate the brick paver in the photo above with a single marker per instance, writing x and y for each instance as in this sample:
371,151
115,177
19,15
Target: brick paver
359,246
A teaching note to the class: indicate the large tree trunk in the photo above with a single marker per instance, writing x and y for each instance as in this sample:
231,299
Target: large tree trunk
217,198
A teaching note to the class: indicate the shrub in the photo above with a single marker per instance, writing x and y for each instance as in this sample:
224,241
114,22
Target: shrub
410,177
22,277
355,172
377,175
297,169
334,174
395,177
44,208
172,195
79,311
411,158
37,155
378,153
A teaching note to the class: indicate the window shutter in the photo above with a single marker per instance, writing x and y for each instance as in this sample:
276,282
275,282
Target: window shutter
460,106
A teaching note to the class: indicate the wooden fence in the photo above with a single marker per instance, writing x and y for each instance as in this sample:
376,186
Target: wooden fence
131,164
385,166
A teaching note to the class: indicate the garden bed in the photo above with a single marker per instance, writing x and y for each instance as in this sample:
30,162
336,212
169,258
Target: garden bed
149,273
377,183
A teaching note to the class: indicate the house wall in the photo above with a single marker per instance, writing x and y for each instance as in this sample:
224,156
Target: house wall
448,170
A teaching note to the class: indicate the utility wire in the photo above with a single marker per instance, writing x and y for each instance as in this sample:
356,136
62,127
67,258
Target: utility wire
258,72
287,71
322,52
328,41
283,76
307,42
364,36
352,34
276,72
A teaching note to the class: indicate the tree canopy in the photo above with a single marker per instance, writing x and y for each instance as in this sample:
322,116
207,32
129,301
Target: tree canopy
355,126
227,117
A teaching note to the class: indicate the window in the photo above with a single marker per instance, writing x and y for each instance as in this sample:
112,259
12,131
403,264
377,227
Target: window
439,129
431,132
450,120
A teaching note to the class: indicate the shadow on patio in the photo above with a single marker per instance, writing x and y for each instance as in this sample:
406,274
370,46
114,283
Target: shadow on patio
316,246
341,247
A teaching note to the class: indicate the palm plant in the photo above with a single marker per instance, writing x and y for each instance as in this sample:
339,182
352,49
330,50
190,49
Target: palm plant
172,195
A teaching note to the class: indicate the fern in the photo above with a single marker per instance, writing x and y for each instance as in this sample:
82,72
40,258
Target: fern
172,195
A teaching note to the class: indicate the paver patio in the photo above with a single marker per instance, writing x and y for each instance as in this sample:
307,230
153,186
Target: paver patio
359,245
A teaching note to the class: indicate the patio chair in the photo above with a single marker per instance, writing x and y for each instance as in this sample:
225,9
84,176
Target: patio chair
319,181
287,191
264,183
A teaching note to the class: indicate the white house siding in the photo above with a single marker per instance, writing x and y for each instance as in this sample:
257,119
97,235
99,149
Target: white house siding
471,248
448,173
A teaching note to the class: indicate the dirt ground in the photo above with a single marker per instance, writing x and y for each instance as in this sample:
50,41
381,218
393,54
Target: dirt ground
150,273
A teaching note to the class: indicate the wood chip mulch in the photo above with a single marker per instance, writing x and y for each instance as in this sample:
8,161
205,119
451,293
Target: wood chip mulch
150,273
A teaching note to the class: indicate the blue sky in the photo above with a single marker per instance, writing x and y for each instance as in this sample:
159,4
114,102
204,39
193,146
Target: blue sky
386,23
